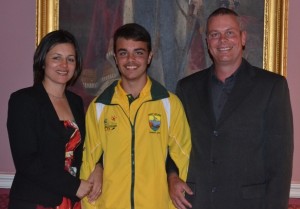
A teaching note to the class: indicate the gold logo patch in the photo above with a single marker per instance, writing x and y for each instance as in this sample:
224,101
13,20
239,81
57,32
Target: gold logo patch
154,121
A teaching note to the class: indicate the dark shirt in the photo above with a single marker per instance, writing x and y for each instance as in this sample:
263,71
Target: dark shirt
131,98
220,92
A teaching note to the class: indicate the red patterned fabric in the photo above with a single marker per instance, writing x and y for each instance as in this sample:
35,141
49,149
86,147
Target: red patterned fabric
69,156
73,143
71,146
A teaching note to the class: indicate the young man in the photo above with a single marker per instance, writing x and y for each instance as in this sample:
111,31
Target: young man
134,124
241,126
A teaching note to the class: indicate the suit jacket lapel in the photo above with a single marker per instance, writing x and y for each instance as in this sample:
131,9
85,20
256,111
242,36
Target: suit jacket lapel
74,108
49,112
205,103
242,88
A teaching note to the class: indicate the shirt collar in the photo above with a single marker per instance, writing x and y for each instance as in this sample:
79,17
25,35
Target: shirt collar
231,77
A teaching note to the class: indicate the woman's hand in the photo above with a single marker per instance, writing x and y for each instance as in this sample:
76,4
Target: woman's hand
84,189
96,178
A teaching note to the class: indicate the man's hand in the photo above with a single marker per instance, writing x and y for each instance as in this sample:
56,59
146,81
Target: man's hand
96,178
177,189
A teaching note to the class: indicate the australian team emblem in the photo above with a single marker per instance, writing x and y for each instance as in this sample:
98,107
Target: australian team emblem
110,124
154,121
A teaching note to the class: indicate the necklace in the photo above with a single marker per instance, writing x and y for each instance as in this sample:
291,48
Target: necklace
56,97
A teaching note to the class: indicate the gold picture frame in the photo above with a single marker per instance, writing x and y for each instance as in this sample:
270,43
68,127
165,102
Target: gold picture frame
275,30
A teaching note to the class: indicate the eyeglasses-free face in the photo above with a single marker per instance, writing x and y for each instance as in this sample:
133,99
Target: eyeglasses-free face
132,58
60,63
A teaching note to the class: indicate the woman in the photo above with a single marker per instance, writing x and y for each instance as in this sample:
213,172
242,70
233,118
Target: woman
46,127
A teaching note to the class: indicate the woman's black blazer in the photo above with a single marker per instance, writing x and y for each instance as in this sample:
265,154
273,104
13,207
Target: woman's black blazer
37,140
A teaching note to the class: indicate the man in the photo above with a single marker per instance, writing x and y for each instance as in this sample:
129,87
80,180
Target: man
134,124
241,126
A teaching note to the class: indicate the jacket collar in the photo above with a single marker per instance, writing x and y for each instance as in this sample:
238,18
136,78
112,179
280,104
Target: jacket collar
242,88
157,91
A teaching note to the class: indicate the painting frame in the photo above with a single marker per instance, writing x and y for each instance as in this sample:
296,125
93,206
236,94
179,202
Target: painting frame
274,39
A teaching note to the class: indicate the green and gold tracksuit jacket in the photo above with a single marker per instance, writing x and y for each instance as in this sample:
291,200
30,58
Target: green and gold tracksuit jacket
134,140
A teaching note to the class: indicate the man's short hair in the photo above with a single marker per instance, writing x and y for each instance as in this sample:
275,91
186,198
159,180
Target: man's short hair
133,31
224,11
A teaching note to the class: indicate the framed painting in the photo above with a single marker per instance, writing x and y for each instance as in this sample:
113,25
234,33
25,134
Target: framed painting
177,29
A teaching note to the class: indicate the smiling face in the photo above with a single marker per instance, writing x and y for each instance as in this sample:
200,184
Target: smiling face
132,58
225,40
60,64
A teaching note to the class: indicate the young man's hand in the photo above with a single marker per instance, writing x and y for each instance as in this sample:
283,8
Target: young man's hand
177,189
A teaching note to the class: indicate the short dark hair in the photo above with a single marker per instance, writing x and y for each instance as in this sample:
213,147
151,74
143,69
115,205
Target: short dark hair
224,11
48,42
133,31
